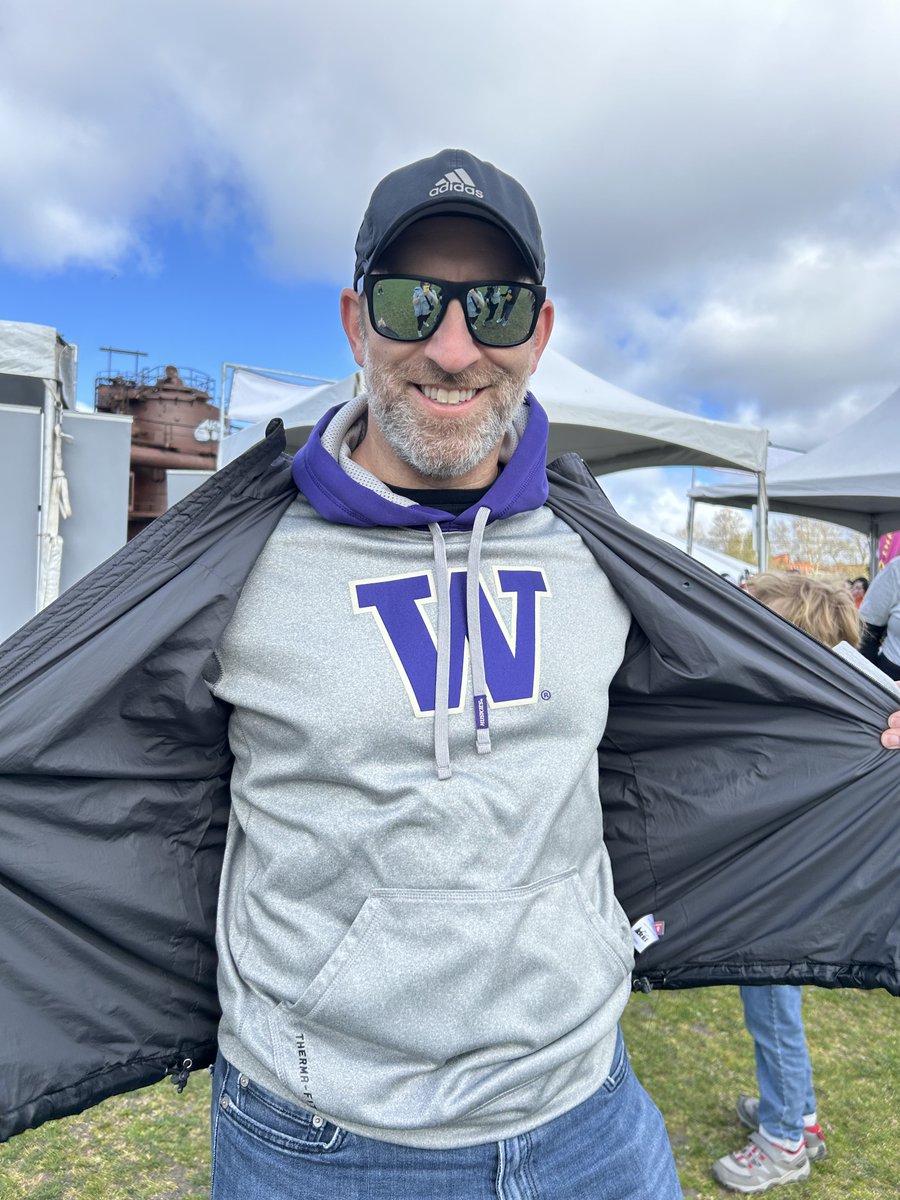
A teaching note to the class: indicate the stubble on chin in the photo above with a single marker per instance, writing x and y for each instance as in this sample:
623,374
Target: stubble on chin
435,448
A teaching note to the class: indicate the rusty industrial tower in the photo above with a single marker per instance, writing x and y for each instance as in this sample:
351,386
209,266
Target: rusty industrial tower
175,427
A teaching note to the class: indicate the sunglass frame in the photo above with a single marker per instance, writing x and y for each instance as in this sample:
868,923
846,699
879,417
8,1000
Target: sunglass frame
454,290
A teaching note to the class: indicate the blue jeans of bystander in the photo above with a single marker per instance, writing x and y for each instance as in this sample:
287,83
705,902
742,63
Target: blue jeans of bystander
783,1070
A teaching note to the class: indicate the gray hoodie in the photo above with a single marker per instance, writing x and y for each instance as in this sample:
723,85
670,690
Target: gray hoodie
417,931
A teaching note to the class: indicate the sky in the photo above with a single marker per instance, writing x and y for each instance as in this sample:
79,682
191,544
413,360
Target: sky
718,184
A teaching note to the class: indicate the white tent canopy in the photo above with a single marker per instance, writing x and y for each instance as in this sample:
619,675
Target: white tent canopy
298,407
853,479
250,395
610,428
37,352
38,368
614,430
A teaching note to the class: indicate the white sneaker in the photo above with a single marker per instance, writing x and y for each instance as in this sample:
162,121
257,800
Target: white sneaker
761,1165
747,1109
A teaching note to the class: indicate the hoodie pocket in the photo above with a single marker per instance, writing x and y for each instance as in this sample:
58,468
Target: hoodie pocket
444,991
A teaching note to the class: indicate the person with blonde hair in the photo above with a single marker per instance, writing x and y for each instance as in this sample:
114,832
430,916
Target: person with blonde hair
824,610
787,1135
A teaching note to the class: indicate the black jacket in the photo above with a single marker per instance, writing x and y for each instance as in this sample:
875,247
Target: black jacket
747,800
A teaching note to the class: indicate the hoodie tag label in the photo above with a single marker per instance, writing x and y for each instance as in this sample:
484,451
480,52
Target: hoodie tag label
645,931
481,712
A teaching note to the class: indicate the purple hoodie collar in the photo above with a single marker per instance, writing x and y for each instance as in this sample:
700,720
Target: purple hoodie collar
520,487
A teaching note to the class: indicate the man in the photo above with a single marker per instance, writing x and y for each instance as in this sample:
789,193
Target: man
396,661
475,303
423,303
508,302
443,1012
493,303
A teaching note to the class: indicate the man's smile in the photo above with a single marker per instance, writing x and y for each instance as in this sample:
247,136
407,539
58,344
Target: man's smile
448,396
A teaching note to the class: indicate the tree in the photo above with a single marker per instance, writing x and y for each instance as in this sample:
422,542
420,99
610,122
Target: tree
819,544
730,533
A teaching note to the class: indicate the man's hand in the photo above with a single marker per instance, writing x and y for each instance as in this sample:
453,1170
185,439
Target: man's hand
890,739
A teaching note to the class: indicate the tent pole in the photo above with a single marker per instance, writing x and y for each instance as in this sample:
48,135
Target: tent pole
690,521
762,517
49,424
221,418
873,548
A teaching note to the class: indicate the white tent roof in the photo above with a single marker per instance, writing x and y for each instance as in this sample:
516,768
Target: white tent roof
30,351
610,428
614,430
853,479
250,397
299,407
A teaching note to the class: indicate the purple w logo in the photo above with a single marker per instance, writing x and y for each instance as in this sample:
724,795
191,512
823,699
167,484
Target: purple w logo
511,657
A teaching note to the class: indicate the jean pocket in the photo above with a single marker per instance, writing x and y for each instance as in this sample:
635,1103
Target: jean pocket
269,1118
619,1068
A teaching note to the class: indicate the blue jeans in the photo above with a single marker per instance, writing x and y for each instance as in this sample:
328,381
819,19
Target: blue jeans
612,1147
783,1069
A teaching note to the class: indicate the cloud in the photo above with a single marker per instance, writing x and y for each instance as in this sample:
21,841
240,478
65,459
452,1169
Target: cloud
719,184
653,498
806,335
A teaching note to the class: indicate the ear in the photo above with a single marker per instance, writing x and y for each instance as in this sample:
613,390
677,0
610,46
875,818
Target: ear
353,311
541,334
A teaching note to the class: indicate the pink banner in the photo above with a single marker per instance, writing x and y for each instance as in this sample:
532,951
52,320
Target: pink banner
889,547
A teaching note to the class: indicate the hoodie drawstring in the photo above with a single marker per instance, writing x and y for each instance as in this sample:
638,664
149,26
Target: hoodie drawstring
473,622
473,633
442,675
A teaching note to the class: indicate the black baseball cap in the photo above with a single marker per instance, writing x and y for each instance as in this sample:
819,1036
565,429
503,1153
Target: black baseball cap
452,181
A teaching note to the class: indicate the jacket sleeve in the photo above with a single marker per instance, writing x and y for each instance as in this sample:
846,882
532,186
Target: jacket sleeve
114,796
748,803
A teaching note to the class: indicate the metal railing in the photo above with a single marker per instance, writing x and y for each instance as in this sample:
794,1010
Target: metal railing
198,381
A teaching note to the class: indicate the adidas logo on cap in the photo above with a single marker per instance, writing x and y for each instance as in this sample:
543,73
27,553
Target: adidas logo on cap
456,181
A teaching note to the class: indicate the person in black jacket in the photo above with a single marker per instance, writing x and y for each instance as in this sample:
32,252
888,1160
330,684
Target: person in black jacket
380,864
433,883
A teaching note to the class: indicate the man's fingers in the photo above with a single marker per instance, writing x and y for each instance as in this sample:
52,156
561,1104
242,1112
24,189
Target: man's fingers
890,739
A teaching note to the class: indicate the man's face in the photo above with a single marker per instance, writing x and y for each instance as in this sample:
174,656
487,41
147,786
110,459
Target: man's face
438,409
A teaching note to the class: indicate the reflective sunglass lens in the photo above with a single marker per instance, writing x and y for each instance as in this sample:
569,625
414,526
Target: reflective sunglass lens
405,308
500,314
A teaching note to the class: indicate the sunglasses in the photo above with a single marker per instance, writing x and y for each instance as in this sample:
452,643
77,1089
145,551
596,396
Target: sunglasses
498,312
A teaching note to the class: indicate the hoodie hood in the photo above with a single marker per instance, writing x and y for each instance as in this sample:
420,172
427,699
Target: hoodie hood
321,473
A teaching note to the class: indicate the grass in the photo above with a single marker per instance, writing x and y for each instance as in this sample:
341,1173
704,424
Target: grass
148,1145
691,1053
688,1048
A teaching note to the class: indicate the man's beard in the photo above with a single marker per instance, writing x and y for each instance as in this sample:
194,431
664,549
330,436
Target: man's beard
434,448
